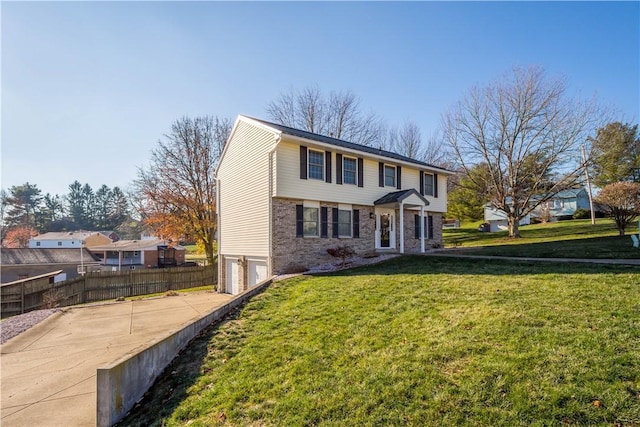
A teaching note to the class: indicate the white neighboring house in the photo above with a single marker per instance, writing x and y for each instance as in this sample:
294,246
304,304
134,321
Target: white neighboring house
497,219
285,196
69,239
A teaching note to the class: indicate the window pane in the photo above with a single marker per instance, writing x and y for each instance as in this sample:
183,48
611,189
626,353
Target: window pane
316,165
349,166
428,185
310,221
344,223
390,176
310,228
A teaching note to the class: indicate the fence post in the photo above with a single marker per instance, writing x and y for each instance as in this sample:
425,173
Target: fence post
22,298
84,289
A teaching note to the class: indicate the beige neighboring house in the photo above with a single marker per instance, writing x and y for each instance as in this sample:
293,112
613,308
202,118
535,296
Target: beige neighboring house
71,239
139,254
285,196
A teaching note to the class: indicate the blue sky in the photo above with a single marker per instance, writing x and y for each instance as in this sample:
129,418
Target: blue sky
88,88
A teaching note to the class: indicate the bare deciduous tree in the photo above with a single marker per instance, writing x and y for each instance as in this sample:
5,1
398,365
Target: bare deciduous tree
528,131
176,192
338,115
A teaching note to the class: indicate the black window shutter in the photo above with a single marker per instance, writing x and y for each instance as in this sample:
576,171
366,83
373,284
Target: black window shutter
324,222
416,227
360,172
421,183
334,217
299,220
303,162
381,174
338,168
398,177
435,185
356,223
430,227
327,166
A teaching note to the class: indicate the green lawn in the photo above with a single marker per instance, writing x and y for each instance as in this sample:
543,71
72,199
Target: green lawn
418,341
563,239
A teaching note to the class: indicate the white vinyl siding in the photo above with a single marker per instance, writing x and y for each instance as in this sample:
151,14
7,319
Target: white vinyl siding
289,185
244,192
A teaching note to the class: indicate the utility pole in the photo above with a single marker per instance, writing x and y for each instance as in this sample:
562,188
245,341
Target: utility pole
586,173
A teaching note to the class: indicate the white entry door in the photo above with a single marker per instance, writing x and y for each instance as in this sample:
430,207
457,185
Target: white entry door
233,276
385,229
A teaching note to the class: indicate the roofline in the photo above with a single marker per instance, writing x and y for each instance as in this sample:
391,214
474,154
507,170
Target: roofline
319,141
246,119
387,159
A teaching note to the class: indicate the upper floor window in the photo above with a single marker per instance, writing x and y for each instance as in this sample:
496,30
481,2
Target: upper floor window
316,165
350,168
59,243
37,243
389,176
428,184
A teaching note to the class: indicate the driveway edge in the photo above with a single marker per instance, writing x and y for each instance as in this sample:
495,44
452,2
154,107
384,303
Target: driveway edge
123,382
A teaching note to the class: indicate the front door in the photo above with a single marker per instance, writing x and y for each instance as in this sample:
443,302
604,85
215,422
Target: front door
385,229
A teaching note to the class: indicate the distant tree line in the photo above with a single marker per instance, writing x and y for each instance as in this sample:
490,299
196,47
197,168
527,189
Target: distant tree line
26,209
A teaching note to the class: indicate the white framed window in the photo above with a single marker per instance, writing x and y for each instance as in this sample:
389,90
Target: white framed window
37,243
59,243
389,176
316,165
310,221
344,223
428,184
349,170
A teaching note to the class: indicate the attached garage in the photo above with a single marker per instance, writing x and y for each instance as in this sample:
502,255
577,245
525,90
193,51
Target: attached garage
256,271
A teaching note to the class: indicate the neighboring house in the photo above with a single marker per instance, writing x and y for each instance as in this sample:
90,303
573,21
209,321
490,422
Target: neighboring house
285,196
138,254
497,219
563,204
23,263
71,239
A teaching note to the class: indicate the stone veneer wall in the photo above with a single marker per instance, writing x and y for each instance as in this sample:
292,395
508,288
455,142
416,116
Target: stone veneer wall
411,244
291,253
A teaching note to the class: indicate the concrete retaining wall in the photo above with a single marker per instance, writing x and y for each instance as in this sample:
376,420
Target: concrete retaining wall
123,383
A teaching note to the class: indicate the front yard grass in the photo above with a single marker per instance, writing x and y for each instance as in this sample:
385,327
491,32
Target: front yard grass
563,239
418,341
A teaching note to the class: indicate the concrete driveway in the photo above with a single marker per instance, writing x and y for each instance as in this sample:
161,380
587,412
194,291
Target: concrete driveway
49,372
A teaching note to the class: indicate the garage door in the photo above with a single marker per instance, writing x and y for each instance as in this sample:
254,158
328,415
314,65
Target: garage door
257,271
233,277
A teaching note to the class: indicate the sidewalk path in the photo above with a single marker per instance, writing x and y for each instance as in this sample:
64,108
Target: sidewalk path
49,371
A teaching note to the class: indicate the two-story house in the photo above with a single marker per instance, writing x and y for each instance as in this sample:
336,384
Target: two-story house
285,196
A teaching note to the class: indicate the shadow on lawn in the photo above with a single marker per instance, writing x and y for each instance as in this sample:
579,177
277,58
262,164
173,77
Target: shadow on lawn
434,264
170,388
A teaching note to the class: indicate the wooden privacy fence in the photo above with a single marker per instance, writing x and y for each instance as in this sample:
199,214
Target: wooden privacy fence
99,286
